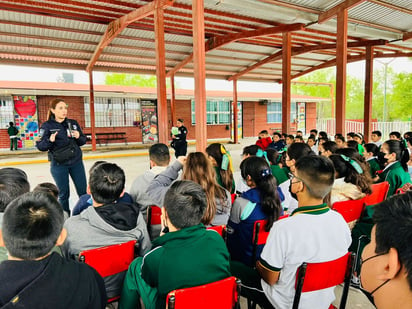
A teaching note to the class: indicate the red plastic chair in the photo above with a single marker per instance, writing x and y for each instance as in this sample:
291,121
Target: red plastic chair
220,229
110,260
379,193
318,276
350,210
223,294
154,217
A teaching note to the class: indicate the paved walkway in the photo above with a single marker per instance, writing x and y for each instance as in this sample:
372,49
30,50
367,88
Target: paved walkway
134,160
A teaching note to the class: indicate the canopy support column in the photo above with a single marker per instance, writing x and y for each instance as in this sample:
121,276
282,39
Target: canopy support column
173,99
161,75
234,109
286,80
91,106
198,19
367,114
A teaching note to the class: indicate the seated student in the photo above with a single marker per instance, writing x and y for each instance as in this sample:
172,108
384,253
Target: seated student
312,143
86,200
108,222
241,185
340,141
186,255
222,162
260,202
264,140
359,139
299,139
395,135
376,138
33,277
352,179
327,148
370,155
290,139
198,168
13,183
313,233
395,158
278,142
279,172
159,160
387,260
47,187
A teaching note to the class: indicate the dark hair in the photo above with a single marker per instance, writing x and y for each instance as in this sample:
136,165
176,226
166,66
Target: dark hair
259,171
324,139
47,187
402,154
395,133
264,132
32,224
378,133
323,134
277,134
407,134
180,120
314,131
290,136
284,135
330,145
371,147
408,140
106,183
13,183
214,150
52,105
351,134
345,169
312,137
298,150
250,150
318,175
273,156
299,137
393,219
159,153
185,203
96,164
11,124
340,137
353,144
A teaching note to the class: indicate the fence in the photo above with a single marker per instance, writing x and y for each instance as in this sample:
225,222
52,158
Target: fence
328,125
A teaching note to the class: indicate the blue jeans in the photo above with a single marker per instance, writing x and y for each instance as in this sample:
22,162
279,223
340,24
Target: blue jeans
60,173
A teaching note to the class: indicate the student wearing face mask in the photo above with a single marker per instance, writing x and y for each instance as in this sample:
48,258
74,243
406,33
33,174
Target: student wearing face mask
394,156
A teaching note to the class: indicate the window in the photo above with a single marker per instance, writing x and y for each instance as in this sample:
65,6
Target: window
112,112
6,111
274,112
217,112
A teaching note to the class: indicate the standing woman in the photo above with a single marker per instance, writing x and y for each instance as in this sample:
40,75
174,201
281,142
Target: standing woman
179,143
62,138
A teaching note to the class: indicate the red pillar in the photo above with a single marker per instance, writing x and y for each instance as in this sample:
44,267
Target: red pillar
91,104
286,80
198,20
173,99
367,114
234,109
341,60
161,75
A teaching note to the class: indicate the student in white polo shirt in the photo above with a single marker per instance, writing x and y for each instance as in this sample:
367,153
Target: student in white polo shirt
313,233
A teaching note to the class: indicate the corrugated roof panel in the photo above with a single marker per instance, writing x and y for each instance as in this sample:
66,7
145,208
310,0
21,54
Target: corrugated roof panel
319,5
380,15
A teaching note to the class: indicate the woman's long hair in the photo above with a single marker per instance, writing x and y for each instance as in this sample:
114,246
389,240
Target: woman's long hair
199,169
259,171
402,153
214,151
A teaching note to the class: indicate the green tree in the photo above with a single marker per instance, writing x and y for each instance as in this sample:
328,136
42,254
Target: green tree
145,81
401,98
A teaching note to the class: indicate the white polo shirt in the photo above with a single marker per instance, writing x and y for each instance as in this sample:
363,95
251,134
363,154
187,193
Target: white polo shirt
310,234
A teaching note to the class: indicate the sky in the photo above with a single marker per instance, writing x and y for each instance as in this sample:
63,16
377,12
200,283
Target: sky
18,73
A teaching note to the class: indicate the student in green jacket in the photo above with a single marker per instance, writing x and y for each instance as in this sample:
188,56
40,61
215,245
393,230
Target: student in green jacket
395,172
370,155
185,255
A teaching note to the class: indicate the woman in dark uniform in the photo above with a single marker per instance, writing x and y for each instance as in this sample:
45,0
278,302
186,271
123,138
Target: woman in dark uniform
179,143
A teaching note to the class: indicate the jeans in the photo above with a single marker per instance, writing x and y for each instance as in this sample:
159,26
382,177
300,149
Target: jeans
61,172
13,143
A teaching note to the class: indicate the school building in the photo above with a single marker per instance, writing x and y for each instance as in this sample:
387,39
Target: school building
133,111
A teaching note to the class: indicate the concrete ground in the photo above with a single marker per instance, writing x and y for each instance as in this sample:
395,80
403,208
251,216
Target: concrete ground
134,160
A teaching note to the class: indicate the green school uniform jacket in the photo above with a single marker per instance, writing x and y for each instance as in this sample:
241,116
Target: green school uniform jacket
189,257
396,176
373,166
280,174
